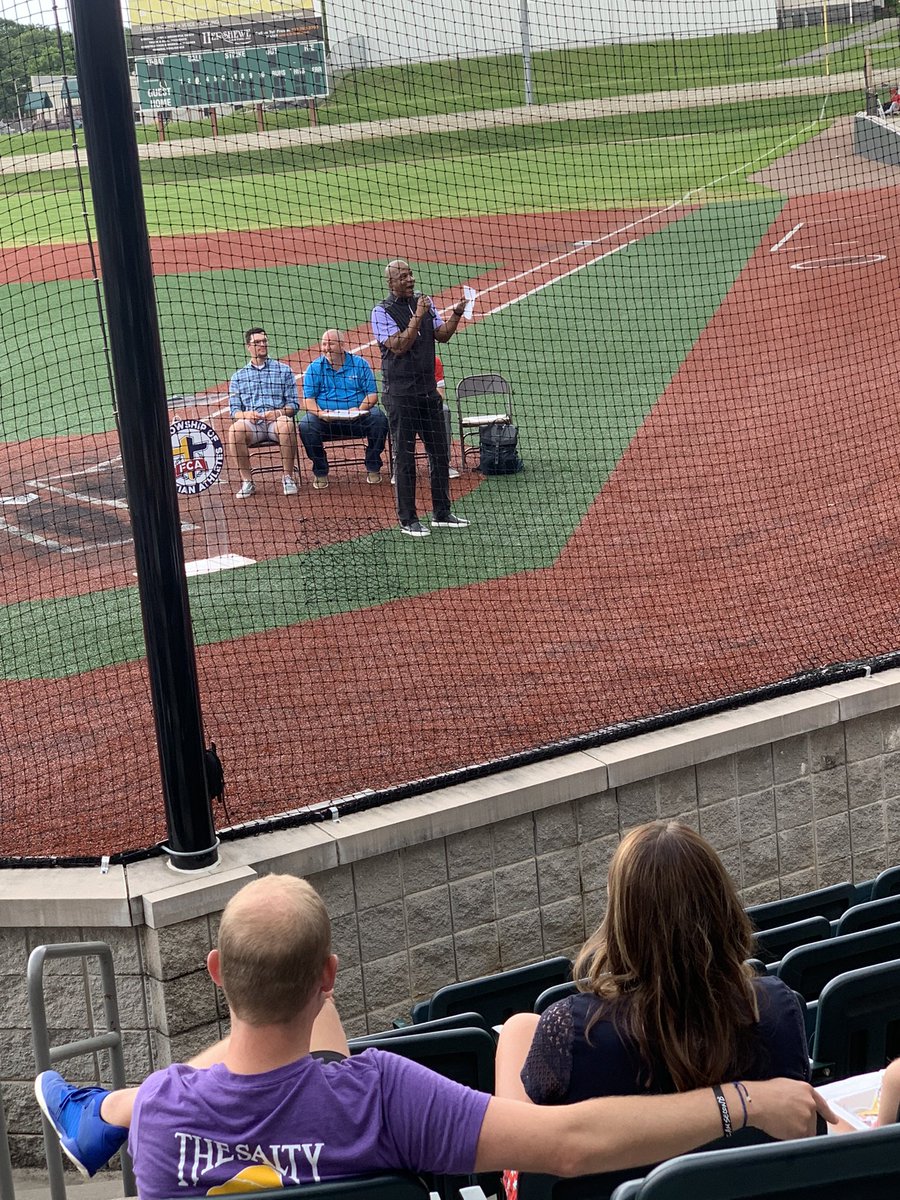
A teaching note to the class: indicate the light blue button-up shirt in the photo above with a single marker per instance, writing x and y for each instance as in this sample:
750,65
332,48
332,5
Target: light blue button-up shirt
262,389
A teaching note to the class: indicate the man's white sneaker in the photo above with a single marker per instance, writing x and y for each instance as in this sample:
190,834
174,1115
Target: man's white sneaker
246,489
451,522
414,529
289,485
453,473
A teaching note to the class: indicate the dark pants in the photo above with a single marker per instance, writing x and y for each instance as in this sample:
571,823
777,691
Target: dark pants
314,432
421,416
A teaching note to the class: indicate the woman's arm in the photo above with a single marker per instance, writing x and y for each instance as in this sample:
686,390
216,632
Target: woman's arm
512,1050
889,1102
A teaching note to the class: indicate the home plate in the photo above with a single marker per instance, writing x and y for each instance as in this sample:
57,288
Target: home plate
221,562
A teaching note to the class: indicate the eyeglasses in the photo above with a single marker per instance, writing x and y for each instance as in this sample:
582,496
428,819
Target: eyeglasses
258,342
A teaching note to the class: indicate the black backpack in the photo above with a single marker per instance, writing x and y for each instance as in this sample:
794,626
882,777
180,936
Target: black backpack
215,777
499,446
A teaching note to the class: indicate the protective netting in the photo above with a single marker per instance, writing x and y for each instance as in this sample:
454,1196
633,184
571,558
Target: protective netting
670,251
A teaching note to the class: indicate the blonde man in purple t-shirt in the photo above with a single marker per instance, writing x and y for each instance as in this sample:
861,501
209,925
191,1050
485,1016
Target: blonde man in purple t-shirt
279,1103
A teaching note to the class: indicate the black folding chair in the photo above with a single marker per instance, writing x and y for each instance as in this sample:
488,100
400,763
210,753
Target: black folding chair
495,394
552,994
886,884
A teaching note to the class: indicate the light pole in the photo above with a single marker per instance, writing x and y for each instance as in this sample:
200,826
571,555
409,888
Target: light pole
525,30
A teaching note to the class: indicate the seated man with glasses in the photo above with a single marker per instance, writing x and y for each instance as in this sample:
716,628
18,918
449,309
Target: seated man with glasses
262,397
341,401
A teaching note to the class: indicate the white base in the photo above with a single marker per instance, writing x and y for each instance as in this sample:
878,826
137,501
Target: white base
221,562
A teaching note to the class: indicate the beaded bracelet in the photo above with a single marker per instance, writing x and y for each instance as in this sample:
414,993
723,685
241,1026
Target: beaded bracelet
744,1097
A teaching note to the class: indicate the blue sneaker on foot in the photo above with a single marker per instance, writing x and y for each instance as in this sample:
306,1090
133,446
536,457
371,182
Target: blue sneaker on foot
88,1140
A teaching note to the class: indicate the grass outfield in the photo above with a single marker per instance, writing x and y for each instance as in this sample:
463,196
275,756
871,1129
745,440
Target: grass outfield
553,178
214,306
519,522
779,111
587,73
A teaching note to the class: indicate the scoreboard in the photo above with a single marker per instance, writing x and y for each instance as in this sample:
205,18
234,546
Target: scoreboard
202,66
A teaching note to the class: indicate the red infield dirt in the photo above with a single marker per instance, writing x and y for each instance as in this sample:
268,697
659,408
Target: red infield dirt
750,531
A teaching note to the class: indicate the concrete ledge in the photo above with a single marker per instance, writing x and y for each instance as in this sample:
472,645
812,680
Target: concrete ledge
716,736
467,806
150,893
64,898
862,697
194,897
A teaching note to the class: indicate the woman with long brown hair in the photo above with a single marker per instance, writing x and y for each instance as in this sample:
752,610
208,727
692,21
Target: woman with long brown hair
666,1000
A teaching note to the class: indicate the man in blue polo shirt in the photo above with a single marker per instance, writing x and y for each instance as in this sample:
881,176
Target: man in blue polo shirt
263,401
340,398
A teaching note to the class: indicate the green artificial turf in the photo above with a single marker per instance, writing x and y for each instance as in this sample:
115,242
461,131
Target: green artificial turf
585,374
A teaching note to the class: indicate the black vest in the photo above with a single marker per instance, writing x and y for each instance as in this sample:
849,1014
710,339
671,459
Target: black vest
410,375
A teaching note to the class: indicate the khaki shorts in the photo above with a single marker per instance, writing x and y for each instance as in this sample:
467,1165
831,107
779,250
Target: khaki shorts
261,433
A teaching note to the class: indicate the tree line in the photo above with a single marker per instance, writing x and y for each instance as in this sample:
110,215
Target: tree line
27,50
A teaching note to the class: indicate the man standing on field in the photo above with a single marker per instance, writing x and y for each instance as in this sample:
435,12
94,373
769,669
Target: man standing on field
406,326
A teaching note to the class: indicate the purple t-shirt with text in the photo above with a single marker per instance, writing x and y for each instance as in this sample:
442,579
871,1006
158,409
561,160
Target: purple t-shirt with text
195,1131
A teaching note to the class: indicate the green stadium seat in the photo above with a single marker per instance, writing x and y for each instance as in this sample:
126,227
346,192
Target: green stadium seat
858,1022
808,968
827,902
601,1187
498,996
550,995
470,1020
872,915
861,1166
886,884
770,945
464,1055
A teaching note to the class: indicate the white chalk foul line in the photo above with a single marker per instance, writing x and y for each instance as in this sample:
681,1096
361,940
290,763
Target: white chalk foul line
37,540
666,208
79,496
787,237
549,283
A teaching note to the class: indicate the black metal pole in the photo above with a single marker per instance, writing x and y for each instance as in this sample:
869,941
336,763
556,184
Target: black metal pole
109,135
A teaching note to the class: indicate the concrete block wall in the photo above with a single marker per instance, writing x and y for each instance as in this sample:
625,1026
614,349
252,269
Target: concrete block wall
794,794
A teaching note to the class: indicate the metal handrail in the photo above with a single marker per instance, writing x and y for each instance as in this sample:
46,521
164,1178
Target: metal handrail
7,1190
46,1055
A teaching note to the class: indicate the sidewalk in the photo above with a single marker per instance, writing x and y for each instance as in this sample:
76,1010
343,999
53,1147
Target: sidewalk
572,110
33,1185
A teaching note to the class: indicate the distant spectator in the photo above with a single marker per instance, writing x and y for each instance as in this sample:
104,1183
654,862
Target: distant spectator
892,107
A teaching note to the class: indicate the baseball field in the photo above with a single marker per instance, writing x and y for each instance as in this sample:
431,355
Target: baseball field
692,308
